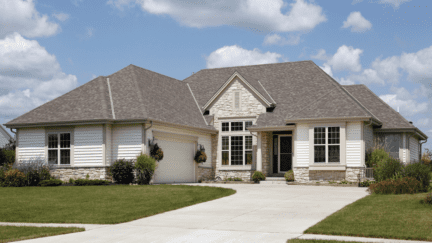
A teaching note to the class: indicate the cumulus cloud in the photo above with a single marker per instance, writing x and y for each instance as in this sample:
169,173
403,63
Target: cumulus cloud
327,69
257,15
368,76
408,107
29,76
321,55
22,17
276,39
346,58
357,23
61,16
394,3
229,56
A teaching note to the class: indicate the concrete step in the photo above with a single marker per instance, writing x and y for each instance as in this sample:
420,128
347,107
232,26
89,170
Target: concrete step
272,182
275,179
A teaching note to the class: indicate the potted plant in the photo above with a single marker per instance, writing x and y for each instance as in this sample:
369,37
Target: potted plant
156,152
200,156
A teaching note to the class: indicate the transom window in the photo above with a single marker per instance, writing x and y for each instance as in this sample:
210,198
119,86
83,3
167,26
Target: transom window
237,150
327,144
236,126
59,148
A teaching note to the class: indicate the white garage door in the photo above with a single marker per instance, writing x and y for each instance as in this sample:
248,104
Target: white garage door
177,164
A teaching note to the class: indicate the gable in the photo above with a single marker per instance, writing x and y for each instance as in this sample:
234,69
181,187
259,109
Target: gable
249,104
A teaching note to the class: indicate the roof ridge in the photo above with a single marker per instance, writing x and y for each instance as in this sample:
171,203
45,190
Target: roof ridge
139,91
36,108
255,65
393,110
154,72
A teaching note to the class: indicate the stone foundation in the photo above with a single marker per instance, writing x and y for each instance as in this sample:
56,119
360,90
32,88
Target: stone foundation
245,175
65,173
352,174
205,174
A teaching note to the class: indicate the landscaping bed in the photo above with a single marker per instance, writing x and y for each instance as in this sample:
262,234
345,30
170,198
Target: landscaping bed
354,184
18,233
99,204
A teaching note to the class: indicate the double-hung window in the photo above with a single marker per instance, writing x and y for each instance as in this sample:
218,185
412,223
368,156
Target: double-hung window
327,144
236,143
59,148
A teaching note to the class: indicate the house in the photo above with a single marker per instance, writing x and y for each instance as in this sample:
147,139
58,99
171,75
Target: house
270,118
5,137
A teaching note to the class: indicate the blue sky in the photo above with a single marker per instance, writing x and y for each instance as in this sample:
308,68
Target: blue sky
48,48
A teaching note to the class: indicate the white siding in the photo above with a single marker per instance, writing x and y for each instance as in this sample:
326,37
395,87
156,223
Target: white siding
4,138
88,145
126,141
301,144
203,139
404,148
414,149
353,144
31,144
108,145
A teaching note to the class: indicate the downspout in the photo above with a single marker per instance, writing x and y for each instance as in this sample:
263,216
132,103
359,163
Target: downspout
16,144
408,145
145,133
370,122
421,143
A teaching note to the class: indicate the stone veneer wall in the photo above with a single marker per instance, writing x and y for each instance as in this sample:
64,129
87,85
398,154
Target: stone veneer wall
65,173
352,174
209,173
245,175
266,145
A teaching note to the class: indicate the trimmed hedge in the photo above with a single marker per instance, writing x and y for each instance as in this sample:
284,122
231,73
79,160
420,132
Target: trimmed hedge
289,175
405,185
87,182
258,176
122,171
145,168
51,182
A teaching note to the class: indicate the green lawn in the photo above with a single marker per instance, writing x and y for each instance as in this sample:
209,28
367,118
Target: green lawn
382,216
99,204
16,233
319,241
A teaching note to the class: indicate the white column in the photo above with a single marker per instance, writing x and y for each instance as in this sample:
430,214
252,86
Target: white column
259,154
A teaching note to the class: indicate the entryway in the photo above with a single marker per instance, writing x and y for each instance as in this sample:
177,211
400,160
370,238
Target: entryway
282,153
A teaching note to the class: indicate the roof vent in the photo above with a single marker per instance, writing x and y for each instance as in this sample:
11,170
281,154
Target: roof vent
410,122
270,109
206,112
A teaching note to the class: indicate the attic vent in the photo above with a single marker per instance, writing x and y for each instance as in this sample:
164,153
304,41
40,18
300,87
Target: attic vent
270,109
410,122
206,112
237,100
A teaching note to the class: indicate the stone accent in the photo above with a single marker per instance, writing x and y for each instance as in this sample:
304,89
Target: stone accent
246,175
301,174
354,174
326,175
205,174
266,146
65,173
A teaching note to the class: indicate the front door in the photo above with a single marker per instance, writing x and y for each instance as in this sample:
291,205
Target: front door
285,154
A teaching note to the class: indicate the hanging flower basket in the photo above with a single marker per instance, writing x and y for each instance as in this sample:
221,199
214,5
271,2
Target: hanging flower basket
200,156
156,152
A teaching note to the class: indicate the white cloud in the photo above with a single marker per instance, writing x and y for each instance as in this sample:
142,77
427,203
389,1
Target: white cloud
22,17
327,69
30,76
321,55
61,16
394,3
424,122
368,76
346,58
257,15
89,32
276,39
408,107
357,23
344,81
229,56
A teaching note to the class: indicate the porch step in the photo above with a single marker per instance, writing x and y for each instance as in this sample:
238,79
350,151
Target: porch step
273,180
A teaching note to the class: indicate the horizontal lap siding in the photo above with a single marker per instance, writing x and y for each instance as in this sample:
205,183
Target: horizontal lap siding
414,149
353,144
126,141
302,145
31,144
108,145
88,146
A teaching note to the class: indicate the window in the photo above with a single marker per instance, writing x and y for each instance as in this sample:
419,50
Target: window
326,139
59,148
237,100
237,150
236,126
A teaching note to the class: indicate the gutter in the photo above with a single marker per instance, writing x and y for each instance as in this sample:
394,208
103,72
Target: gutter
421,143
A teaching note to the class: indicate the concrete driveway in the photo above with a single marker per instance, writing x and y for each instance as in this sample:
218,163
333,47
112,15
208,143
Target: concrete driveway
256,213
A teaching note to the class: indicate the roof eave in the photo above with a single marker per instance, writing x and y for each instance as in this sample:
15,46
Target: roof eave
329,119
404,129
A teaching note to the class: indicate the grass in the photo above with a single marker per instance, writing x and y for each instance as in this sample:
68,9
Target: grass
16,233
319,241
381,216
99,204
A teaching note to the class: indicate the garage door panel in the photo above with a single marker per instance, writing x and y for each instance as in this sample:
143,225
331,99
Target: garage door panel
177,165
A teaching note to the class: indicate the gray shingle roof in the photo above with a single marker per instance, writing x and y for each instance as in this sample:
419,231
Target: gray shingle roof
295,86
137,93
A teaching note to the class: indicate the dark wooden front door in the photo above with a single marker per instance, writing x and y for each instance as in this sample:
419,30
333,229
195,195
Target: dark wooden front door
285,153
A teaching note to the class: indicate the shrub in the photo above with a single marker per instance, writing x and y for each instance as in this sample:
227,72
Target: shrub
366,183
234,179
51,182
145,167
122,171
35,170
87,182
289,175
156,152
71,181
387,168
376,156
13,178
428,199
258,176
7,157
396,186
427,157
418,171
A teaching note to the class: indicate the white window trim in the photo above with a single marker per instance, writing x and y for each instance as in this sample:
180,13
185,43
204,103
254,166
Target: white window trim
326,145
244,149
235,132
230,133
342,144
58,131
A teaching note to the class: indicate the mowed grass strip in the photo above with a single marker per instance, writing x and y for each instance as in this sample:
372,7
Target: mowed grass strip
318,241
17,233
381,216
99,204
